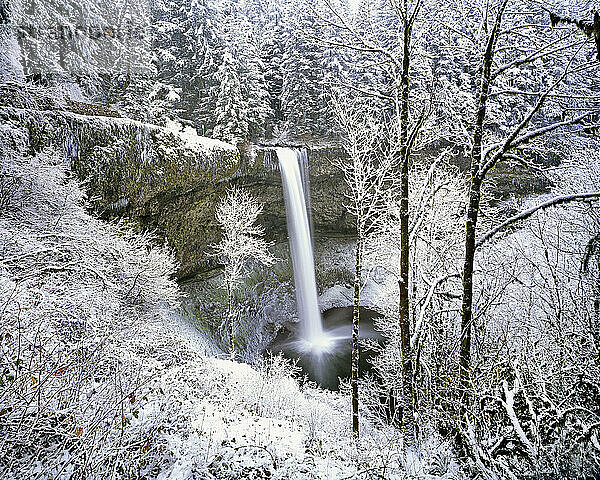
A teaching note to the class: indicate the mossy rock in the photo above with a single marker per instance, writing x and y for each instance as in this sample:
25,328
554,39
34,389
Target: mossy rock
161,179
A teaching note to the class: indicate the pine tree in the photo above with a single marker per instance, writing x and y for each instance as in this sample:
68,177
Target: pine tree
244,115
300,97
187,54
272,53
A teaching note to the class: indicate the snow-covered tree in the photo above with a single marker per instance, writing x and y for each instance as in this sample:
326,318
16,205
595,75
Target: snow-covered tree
231,109
537,386
10,50
384,35
437,198
243,103
242,243
299,98
368,176
187,50
272,51
97,44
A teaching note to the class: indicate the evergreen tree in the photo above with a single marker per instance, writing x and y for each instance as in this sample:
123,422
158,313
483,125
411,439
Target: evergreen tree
301,78
97,44
241,74
187,54
272,56
255,90
231,109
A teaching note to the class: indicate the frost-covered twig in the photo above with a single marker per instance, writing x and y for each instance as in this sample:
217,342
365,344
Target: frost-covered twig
575,197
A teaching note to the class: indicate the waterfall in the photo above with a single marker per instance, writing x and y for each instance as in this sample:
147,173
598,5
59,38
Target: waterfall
297,197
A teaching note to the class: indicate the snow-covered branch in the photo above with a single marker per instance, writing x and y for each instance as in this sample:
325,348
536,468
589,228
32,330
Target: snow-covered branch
576,197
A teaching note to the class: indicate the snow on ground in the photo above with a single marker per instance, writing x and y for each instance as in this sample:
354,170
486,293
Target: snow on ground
370,295
192,336
246,422
174,140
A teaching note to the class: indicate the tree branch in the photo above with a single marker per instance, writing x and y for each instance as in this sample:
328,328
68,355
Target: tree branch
528,213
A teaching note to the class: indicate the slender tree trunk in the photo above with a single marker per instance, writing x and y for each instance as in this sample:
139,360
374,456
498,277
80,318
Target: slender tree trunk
355,334
407,367
477,177
467,300
404,310
597,298
230,320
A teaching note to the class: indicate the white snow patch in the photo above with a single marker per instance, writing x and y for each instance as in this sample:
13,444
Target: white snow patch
371,295
195,142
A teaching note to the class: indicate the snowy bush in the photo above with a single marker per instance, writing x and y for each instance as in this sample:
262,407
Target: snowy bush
83,331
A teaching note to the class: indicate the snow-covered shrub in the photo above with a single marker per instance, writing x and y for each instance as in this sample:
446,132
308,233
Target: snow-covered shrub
536,363
83,332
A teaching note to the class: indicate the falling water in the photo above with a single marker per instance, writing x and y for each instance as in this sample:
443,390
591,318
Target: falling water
296,199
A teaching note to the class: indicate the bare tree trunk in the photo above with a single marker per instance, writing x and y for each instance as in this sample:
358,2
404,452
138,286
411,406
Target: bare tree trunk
355,334
597,299
467,300
404,318
473,209
230,320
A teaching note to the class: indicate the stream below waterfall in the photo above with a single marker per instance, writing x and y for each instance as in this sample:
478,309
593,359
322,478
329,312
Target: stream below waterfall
327,367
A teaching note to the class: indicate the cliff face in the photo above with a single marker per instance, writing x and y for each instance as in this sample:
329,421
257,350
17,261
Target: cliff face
260,173
189,214
171,180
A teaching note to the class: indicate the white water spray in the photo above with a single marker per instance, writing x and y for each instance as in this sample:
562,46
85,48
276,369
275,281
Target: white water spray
301,248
